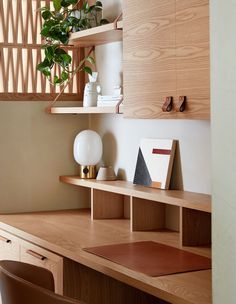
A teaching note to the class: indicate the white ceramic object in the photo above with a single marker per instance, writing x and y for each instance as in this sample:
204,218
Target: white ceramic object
88,148
106,174
91,91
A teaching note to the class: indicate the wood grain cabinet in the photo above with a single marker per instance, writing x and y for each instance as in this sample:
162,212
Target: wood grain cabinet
166,53
9,247
32,254
16,249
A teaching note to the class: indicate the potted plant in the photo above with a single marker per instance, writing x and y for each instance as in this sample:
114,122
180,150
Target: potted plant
56,29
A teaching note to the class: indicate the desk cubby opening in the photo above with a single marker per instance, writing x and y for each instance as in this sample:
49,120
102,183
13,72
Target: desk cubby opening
109,205
195,227
147,215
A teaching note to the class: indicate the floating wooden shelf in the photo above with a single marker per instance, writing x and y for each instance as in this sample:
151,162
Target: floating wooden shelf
86,110
98,35
191,200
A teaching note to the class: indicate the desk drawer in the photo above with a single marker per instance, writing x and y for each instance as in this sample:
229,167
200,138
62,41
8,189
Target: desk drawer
9,246
38,256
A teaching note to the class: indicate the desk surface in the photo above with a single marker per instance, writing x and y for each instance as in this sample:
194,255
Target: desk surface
67,232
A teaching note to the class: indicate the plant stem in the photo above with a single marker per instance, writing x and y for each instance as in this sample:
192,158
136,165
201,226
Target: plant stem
78,69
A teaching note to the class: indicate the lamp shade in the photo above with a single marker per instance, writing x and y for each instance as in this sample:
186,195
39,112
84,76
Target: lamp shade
88,148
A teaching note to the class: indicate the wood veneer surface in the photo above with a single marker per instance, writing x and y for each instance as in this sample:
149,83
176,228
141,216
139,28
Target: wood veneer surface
67,232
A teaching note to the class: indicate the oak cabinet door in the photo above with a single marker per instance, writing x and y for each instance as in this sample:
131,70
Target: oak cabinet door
9,247
38,256
192,57
149,57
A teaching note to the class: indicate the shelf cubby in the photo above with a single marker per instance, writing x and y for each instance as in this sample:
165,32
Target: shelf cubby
147,208
107,205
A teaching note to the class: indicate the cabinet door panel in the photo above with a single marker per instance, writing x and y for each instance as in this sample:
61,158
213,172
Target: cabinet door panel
9,247
38,256
192,56
149,56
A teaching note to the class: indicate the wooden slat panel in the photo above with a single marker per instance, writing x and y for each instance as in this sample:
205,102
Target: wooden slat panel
20,23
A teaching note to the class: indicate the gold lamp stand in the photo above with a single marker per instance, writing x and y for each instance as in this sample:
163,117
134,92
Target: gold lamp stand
88,172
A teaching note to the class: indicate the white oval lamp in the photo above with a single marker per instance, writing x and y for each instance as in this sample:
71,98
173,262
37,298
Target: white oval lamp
88,152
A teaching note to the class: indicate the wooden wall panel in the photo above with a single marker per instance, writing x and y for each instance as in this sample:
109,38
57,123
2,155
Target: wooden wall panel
192,56
92,287
166,53
149,56
195,228
20,52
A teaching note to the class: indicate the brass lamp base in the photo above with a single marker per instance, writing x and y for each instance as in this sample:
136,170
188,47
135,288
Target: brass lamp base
88,172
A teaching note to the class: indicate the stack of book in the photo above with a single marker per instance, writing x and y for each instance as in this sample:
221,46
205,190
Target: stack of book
108,101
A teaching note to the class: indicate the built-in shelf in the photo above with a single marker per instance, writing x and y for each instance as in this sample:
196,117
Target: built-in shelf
86,110
147,208
98,35
191,200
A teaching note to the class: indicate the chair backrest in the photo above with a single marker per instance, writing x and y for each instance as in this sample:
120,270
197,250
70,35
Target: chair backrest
22,283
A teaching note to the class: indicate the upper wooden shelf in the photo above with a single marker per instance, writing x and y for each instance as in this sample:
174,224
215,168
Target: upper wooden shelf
86,110
98,35
191,200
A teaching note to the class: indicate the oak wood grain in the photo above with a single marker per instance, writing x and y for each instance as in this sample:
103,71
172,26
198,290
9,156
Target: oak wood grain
67,232
166,53
92,287
196,228
106,205
98,35
147,215
9,250
149,57
191,200
193,56
51,261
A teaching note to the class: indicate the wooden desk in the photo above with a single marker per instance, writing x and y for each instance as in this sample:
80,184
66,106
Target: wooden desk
67,232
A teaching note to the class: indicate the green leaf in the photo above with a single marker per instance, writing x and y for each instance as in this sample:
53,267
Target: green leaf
88,70
64,76
86,6
57,5
57,80
66,3
66,59
44,8
46,15
49,52
44,67
90,60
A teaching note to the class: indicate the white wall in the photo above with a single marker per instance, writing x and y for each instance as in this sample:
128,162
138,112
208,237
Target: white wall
121,136
35,148
223,90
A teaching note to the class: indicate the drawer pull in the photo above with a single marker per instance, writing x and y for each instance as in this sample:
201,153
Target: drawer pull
182,104
168,104
36,255
2,238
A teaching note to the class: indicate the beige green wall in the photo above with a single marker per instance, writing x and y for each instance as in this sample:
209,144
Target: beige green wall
223,90
35,148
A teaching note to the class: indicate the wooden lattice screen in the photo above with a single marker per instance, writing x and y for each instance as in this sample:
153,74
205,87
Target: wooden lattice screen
20,51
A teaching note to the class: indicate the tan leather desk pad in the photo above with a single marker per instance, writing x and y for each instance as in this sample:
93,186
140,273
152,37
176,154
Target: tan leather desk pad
151,258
